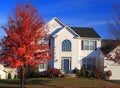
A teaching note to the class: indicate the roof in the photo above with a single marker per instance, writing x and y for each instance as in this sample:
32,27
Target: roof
109,45
85,32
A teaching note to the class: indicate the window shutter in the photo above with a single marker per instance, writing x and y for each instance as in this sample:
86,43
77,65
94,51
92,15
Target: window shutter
82,43
95,44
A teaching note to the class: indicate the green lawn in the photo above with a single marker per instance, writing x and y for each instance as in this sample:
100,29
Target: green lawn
59,83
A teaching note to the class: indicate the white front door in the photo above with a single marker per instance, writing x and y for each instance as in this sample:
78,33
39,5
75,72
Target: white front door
66,64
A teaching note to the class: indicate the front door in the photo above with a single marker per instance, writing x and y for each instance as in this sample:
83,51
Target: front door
66,65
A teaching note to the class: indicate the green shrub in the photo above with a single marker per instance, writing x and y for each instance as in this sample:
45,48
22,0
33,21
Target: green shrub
34,74
9,76
15,77
77,72
82,72
88,73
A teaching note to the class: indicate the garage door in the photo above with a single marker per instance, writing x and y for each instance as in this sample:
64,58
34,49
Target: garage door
115,72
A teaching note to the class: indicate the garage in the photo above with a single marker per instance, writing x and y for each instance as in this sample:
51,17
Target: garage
115,72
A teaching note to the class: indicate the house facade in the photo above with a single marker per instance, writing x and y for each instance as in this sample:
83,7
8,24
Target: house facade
4,71
72,47
111,51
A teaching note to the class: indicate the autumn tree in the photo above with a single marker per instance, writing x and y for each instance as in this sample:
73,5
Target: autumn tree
98,69
114,26
25,42
114,23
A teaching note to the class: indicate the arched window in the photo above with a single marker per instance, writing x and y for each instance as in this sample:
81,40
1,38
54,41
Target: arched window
66,46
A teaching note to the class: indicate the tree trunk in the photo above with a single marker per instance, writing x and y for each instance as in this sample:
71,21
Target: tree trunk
22,70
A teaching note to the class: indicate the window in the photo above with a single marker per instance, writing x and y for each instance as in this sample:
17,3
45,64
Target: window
66,46
87,63
43,66
89,44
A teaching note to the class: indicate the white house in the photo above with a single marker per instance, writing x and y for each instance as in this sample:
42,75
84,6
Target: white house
4,71
109,50
72,47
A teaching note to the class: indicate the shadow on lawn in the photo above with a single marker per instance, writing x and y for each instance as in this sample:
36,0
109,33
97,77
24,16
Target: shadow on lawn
38,81
16,83
9,82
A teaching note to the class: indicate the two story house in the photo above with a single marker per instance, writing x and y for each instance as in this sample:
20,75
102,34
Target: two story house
72,47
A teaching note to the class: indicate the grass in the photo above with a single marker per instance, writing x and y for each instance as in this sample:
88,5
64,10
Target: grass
59,83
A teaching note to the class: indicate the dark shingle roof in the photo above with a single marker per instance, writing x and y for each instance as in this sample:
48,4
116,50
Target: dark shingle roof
109,45
85,32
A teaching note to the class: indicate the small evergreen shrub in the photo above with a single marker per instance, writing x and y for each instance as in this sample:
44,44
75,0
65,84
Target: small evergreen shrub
9,76
77,72
88,73
82,72
15,77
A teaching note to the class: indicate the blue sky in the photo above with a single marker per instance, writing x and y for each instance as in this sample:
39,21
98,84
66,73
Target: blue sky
81,13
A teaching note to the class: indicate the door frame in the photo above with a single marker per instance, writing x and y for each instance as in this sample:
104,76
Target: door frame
62,63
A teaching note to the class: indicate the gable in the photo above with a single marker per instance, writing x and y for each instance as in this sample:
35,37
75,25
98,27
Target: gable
65,31
53,25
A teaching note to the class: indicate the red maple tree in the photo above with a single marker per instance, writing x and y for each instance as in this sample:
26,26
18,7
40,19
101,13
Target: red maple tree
25,42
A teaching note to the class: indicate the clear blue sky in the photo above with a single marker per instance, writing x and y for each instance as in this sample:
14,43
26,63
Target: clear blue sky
82,13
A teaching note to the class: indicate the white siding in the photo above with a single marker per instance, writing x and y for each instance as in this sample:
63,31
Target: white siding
115,72
65,34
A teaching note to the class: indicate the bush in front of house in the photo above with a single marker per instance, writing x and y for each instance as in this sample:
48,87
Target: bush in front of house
82,72
9,76
108,74
53,72
77,72
34,74
88,73
15,76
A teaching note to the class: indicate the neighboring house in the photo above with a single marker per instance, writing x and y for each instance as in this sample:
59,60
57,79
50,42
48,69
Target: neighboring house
108,51
72,47
3,74
5,70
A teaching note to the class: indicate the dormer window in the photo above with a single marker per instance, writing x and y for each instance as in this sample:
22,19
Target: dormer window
66,46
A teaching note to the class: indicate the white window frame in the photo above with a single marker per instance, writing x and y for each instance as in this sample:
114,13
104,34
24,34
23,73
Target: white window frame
66,46
92,44
43,66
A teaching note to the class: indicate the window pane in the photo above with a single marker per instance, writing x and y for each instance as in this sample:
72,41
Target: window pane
86,45
89,67
66,45
89,60
91,45
43,66
84,65
84,60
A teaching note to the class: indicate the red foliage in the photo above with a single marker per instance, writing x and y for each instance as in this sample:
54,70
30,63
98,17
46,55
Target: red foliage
53,72
24,30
